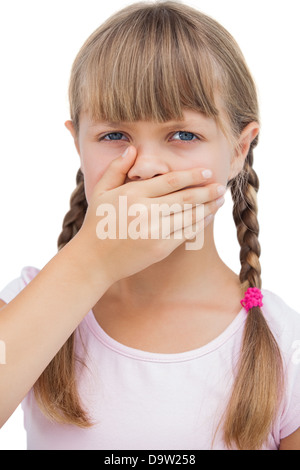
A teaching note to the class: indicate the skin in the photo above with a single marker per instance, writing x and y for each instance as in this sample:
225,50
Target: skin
148,309
185,280
158,151
183,284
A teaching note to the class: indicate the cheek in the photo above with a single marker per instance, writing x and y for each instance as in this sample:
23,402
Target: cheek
93,171
89,184
215,159
221,169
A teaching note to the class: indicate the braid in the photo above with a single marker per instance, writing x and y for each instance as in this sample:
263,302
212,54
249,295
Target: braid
258,383
245,211
73,219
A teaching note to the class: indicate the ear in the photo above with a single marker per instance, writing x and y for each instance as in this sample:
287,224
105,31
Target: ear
70,126
247,136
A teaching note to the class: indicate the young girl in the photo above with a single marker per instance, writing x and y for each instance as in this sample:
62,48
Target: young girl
136,342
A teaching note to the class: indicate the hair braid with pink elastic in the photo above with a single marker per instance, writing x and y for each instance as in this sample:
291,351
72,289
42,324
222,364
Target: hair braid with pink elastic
259,349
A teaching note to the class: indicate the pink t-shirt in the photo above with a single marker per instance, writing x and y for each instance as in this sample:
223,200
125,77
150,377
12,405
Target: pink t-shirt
142,400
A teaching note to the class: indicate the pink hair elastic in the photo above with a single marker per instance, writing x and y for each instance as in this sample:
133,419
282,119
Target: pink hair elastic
253,298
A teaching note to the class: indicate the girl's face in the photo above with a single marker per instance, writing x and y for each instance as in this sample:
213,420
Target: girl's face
197,141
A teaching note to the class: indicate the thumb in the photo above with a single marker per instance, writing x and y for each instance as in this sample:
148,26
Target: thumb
115,174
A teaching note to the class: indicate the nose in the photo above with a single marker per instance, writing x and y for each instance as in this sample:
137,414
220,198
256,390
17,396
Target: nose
148,163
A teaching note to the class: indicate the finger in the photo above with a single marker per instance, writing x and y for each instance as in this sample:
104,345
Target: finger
179,220
197,226
180,200
188,217
173,181
116,172
181,236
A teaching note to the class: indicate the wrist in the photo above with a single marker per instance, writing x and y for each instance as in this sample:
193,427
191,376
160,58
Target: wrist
85,262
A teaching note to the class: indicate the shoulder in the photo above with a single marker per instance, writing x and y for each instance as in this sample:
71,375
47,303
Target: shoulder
28,273
283,320
15,286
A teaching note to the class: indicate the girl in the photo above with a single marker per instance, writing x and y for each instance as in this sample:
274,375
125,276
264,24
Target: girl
135,342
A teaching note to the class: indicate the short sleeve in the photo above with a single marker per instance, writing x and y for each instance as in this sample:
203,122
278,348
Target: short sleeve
284,322
11,290
290,420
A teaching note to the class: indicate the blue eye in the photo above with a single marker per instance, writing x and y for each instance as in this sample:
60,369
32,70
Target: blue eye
185,136
113,136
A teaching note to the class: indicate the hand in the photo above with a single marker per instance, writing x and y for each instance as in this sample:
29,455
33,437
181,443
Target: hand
122,256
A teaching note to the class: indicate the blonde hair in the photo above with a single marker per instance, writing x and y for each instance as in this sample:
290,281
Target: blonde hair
149,61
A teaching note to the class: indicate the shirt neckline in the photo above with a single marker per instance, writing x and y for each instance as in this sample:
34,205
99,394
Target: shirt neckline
147,356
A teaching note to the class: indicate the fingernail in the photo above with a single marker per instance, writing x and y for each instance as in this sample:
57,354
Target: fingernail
209,218
207,174
220,201
125,153
221,190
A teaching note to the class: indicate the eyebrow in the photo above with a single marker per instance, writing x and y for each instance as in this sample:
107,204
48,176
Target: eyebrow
104,123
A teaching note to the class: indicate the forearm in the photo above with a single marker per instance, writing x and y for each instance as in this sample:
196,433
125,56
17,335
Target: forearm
38,321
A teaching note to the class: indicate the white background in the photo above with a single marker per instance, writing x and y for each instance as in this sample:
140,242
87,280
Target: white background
38,43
